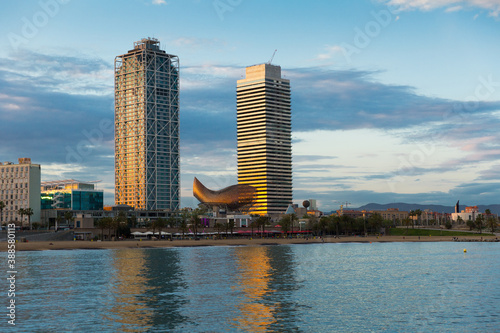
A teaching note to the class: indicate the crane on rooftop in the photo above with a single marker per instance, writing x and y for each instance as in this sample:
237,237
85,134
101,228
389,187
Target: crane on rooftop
271,60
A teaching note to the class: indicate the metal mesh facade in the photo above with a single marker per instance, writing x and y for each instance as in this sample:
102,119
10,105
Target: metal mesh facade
147,172
264,138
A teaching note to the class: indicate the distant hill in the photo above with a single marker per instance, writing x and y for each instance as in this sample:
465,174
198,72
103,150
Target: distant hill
495,209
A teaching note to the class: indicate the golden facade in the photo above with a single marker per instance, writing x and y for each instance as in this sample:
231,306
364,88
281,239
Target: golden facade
147,173
264,138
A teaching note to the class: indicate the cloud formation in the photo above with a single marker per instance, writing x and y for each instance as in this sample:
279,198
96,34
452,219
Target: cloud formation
58,110
493,6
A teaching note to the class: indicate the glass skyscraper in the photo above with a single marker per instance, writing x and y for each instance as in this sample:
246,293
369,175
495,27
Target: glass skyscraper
264,138
147,172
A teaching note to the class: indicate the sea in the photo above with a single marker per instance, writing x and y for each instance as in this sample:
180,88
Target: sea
322,287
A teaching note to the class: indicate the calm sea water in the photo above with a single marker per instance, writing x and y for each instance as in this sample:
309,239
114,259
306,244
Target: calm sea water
393,287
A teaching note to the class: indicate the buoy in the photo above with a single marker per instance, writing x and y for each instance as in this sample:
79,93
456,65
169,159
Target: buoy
465,250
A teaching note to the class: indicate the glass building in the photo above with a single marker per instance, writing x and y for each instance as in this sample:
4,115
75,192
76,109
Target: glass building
71,194
147,171
264,138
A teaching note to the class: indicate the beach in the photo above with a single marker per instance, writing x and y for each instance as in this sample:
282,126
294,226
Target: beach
130,243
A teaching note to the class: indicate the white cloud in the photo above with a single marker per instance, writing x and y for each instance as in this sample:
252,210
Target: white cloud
453,9
493,6
330,52
159,2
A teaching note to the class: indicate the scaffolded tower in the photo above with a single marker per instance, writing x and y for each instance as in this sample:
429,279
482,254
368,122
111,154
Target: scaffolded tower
147,127
264,138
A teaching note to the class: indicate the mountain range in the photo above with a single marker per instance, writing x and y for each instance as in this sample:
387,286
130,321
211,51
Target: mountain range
495,209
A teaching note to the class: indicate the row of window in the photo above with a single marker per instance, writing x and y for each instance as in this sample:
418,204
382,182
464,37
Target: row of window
13,185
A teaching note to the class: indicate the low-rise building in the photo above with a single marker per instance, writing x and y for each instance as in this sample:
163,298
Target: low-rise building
392,214
469,214
71,194
20,189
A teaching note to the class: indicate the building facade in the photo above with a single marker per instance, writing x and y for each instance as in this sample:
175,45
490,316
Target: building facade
264,129
392,214
147,171
19,189
71,194
469,214
313,203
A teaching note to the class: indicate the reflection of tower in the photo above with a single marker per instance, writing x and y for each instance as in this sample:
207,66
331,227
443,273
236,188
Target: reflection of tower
253,263
147,127
264,137
129,283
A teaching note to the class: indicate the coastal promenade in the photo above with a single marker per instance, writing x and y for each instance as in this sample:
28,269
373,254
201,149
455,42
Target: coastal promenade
130,243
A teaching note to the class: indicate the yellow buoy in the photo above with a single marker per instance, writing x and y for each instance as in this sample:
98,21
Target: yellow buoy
465,250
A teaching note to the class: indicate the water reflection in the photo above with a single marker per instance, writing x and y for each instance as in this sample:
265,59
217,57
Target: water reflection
165,289
129,282
253,281
287,308
144,287
316,288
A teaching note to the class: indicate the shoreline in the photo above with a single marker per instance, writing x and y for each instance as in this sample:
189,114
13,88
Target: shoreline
131,243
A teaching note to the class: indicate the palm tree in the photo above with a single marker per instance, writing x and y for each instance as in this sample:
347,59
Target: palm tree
219,227
375,221
152,226
21,212
183,227
293,218
479,223
160,224
195,222
29,212
171,221
471,224
491,223
253,222
102,224
133,221
418,212
68,216
407,222
261,222
412,214
59,219
285,224
2,206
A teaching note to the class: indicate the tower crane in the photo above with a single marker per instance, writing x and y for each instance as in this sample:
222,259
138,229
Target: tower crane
271,60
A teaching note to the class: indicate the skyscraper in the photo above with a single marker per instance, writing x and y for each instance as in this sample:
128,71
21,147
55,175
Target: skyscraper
147,127
264,137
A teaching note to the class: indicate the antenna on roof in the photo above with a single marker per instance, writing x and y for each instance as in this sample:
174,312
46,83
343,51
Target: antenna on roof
271,60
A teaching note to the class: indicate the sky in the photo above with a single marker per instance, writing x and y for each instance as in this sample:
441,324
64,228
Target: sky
392,100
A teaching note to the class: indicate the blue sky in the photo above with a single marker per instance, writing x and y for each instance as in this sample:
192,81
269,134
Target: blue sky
392,100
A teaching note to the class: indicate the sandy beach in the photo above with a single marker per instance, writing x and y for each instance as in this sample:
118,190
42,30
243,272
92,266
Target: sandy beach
70,245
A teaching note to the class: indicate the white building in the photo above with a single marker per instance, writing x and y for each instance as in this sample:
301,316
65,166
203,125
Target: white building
313,204
19,188
469,214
